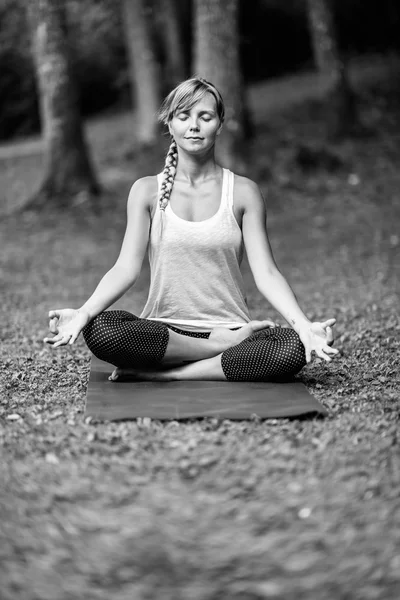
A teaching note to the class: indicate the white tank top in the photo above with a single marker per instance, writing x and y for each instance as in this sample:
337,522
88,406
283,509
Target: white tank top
196,283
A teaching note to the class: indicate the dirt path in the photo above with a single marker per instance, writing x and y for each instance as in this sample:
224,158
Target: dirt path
272,96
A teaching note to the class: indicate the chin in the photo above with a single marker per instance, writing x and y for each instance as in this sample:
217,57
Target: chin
199,148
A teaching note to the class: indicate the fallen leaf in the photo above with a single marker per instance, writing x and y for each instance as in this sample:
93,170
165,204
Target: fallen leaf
13,417
51,458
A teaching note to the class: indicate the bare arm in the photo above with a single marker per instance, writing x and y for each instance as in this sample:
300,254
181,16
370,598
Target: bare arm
67,323
127,268
316,336
268,279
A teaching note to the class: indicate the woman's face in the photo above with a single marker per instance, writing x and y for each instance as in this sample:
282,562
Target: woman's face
195,130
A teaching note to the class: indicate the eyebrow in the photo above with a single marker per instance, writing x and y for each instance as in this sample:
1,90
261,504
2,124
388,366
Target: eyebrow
202,112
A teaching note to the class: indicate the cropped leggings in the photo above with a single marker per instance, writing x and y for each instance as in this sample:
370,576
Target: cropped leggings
124,340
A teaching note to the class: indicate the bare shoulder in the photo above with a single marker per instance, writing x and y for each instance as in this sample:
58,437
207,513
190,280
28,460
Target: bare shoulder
247,193
143,192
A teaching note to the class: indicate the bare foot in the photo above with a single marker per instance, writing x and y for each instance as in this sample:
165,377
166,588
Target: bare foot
130,374
123,374
224,335
158,374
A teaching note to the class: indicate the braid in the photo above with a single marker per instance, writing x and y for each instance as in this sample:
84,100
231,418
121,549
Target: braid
171,160
169,171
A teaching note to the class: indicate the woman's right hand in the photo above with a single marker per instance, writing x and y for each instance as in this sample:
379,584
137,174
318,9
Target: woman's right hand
66,324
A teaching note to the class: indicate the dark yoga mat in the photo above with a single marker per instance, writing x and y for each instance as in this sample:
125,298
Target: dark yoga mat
189,399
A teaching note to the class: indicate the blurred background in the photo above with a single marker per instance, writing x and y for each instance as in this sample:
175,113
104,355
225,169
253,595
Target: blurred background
66,62
207,510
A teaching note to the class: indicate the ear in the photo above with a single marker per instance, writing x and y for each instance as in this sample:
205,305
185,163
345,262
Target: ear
219,129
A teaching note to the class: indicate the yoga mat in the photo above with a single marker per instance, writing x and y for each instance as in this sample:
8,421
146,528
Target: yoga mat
190,399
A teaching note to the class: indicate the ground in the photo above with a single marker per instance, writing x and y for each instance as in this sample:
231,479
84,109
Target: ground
208,509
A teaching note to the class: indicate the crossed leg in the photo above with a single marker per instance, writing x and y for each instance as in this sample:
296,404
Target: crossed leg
148,350
263,356
208,369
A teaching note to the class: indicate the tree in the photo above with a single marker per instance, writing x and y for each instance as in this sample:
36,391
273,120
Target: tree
217,60
68,170
144,70
172,41
329,61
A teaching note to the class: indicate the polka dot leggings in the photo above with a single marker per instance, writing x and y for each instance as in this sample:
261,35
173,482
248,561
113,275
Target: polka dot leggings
124,340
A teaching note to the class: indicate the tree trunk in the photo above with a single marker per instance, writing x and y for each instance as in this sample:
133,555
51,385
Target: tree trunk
144,71
68,170
175,70
217,60
342,115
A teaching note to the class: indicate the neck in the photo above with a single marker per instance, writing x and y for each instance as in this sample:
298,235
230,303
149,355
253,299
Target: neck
196,168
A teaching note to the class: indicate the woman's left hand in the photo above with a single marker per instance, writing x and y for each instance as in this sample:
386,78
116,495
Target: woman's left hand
318,337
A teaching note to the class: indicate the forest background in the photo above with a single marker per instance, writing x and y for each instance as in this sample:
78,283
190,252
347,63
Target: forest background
273,36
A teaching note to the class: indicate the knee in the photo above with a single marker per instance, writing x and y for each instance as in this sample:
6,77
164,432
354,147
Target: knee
105,325
295,354
92,329
92,326
125,340
278,354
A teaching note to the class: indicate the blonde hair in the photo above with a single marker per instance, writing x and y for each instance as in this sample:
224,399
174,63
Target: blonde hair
183,97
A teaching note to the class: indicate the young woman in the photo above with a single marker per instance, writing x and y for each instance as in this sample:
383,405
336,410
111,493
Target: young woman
196,217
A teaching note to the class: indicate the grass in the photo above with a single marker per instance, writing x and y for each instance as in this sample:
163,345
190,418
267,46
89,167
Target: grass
208,509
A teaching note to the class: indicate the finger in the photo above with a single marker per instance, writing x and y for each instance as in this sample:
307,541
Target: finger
330,350
64,340
74,337
60,343
54,313
322,354
328,323
52,340
269,323
308,354
258,325
60,339
53,325
329,336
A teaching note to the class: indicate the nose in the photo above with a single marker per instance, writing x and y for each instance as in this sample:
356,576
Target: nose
194,126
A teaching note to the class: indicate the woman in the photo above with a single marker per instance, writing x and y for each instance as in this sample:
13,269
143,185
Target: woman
196,217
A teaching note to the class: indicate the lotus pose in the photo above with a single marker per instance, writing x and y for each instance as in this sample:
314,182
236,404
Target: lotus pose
196,217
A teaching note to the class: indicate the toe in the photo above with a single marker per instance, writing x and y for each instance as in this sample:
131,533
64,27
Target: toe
114,375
